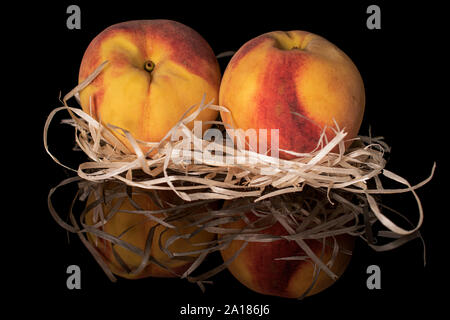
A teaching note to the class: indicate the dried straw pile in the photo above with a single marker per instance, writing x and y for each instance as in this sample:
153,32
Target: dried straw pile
314,196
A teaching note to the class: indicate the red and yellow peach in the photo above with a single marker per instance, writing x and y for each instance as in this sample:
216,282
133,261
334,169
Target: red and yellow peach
297,82
156,70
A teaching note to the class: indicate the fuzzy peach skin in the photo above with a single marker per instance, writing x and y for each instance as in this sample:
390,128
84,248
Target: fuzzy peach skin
297,82
156,70
256,267
134,229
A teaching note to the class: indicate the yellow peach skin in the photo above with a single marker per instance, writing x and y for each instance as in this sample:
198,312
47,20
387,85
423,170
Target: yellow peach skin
297,82
256,266
156,70
134,229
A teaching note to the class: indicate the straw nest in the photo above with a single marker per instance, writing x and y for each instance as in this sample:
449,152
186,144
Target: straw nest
317,195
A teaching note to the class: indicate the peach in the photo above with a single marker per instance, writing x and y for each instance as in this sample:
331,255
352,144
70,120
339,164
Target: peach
297,82
257,267
156,70
134,229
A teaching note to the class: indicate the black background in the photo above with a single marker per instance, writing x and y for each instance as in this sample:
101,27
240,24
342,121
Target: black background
400,65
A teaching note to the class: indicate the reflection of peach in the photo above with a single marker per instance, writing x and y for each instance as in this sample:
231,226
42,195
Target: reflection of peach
156,70
297,82
257,269
134,228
